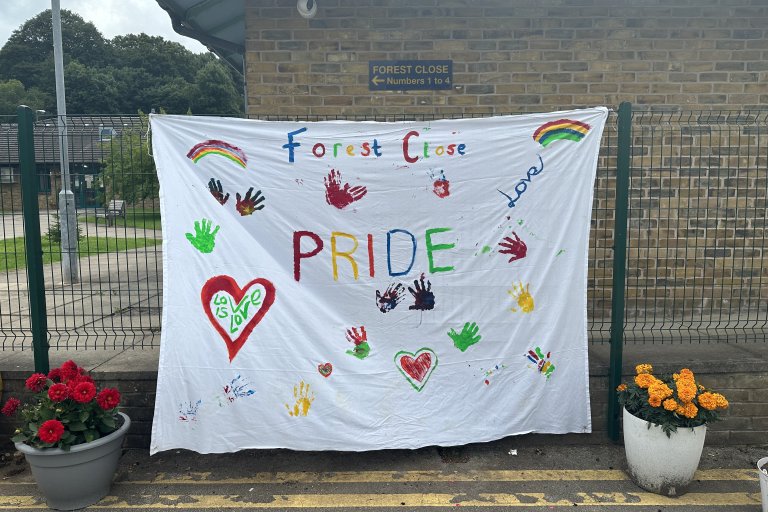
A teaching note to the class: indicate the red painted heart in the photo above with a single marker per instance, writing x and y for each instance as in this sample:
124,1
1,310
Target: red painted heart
325,369
416,368
235,311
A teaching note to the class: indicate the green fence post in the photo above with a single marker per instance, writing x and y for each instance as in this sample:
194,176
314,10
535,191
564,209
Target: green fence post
33,243
619,265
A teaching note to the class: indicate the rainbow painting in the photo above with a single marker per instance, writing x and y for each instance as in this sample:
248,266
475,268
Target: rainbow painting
561,129
217,147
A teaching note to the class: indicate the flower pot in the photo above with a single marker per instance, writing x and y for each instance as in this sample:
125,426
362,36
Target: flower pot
763,464
80,477
661,464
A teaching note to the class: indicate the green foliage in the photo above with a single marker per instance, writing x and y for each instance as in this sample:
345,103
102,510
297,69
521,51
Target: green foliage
54,231
129,171
13,94
123,75
83,420
670,401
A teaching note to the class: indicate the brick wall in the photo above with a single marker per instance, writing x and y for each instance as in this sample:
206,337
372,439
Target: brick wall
508,55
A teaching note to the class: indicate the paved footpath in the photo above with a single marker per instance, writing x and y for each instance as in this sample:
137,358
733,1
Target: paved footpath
542,476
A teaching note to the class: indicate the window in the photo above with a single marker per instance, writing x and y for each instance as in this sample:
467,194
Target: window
7,175
106,133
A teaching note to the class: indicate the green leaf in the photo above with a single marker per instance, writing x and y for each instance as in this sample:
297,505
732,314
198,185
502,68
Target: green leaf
19,438
109,422
77,426
84,416
91,435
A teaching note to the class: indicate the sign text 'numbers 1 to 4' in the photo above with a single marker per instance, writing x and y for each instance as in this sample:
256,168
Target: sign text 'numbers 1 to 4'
403,75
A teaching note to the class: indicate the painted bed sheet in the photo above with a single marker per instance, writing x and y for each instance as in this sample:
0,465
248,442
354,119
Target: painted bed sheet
358,285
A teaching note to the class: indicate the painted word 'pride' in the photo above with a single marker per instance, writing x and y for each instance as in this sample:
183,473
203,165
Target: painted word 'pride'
404,236
319,150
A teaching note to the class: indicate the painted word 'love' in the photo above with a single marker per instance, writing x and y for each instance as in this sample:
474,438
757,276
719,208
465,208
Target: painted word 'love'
522,185
416,368
233,311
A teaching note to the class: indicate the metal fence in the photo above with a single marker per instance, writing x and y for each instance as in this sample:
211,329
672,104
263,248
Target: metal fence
696,246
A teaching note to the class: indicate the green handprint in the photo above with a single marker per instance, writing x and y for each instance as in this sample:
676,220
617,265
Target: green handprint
203,239
467,338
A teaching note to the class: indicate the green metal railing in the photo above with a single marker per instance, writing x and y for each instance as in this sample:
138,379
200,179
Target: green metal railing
678,247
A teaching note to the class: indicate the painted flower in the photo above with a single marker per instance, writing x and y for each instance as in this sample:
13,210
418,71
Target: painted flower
9,409
670,404
51,431
108,398
84,392
36,382
58,392
643,368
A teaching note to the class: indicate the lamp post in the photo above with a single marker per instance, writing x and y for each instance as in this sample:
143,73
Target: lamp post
67,212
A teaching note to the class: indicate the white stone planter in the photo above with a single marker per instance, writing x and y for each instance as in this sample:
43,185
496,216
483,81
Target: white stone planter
661,464
763,463
80,477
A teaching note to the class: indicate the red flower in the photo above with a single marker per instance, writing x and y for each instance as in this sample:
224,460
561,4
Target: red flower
55,375
58,392
108,398
84,392
37,382
51,431
9,409
70,370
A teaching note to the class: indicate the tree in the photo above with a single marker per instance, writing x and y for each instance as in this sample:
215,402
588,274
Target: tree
215,93
27,56
129,172
90,90
13,94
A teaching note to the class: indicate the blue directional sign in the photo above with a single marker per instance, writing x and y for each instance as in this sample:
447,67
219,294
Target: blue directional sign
402,75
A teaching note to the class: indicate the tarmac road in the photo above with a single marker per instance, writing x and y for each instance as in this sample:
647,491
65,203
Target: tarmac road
482,477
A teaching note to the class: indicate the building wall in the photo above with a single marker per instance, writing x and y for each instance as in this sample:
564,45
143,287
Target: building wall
508,55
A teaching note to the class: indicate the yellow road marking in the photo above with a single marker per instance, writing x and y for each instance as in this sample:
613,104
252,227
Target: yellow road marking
336,477
339,477
525,499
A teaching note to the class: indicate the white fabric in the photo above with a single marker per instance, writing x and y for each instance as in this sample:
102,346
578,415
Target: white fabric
413,385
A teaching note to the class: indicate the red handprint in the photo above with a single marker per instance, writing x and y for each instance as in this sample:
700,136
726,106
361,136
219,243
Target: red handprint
247,205
338,195
516,248
360,339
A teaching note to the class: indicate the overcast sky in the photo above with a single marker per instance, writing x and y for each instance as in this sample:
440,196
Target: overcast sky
111,17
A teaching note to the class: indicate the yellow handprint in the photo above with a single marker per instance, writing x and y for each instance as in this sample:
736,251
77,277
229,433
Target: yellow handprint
303,400
522,296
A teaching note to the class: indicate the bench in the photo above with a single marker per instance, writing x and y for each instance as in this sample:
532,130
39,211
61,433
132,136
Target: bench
116,208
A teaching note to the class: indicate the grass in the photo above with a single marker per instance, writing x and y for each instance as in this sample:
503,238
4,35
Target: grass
13,255
134,218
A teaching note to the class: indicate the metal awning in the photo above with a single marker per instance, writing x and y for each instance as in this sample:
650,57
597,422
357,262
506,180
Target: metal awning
218,24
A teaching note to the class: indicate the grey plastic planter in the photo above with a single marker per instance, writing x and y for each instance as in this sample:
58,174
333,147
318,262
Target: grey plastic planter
79,477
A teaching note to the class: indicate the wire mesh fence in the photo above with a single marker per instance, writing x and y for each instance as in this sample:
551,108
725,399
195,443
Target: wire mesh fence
696,266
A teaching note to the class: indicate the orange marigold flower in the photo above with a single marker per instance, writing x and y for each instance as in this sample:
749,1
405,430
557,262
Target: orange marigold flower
708,401
645,379
688,410
722,403
670,404
621,387
659,391
654,401
643,368
686,390
685,372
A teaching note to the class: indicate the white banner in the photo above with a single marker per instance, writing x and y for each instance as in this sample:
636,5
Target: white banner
359,285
